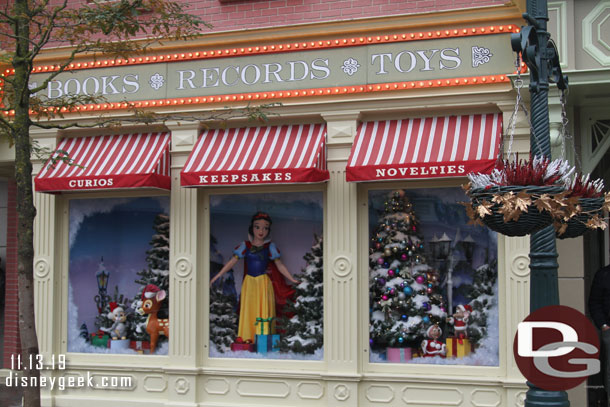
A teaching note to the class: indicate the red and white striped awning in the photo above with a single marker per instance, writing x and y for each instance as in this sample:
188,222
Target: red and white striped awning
428,147
109,162
258,155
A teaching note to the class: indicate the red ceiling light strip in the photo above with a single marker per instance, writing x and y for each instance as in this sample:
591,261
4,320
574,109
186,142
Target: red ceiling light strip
278,48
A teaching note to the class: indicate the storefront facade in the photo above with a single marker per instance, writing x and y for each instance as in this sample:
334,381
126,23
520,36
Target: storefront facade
164,206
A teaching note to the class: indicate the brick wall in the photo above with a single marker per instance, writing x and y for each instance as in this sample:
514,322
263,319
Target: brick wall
238,14
11,322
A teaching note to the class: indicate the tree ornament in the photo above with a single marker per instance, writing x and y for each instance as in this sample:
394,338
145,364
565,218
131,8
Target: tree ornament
380,260
407,290
420,279
391,273
381,281
395,249
429,290
386,264
426,319
401,295
401,339
384,297
387,252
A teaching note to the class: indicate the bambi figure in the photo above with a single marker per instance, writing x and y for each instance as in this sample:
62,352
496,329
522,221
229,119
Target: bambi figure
257,295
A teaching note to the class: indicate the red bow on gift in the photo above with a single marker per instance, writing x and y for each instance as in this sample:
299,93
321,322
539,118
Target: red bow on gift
239,340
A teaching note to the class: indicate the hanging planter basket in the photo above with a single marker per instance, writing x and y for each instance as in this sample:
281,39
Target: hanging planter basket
580,223
511,209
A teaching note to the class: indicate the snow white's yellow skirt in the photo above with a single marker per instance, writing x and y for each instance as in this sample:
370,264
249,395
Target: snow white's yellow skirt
257,301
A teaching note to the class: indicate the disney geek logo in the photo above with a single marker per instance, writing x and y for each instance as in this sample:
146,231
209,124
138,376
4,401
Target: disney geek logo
556,348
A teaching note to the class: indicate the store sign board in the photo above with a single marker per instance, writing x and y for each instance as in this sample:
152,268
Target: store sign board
424,60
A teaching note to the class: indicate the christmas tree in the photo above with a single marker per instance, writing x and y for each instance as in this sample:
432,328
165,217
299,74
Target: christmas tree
482,301
301,327
157,273
223,318
404,297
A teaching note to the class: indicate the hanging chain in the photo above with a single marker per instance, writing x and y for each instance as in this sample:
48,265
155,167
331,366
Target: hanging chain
512,122
566,137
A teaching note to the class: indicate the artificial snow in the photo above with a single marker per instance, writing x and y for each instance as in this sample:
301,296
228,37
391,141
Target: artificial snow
215,353
78,344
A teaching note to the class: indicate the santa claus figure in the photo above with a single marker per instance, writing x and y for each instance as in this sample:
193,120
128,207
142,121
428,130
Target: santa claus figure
460,321
432,346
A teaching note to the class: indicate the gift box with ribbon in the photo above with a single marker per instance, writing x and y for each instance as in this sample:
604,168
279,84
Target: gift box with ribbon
100,339
266,342
240,344
140,346
457,347
399,355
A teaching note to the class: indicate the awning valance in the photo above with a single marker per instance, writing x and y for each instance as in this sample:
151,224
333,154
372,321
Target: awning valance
109,162
258,155
431,147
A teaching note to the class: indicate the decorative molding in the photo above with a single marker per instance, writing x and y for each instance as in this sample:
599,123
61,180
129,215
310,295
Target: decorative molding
520,398
560,8
341,392
42,268
263,388
154,383
592,34
485,398
378,393
342,266
184,267
182,385
217,386
520,265
102,381
310,390
432,396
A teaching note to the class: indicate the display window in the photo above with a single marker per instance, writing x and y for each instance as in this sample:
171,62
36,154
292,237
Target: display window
266,275
118,278
432,280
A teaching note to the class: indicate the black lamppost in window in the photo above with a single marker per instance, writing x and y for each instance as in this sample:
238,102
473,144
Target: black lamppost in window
101,299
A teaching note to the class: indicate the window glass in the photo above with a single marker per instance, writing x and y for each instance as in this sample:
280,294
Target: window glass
119,275
266,292
432,280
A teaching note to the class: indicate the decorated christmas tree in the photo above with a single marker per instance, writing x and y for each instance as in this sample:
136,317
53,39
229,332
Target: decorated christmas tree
482,301
223,318
301,327
156,273
404,297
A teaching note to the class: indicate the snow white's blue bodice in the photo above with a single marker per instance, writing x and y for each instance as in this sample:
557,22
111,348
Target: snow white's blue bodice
256,258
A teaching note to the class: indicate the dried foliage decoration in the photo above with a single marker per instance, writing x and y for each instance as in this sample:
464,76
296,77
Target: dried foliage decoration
579,204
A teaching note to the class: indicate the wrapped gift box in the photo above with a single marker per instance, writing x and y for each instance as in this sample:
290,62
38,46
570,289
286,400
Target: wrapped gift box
399,355
140,346
119,343
455,349
267,343
101,340
239,344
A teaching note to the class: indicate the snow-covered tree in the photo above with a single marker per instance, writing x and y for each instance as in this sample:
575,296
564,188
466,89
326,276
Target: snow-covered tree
482,301
301,326
223,318
404,297
157,273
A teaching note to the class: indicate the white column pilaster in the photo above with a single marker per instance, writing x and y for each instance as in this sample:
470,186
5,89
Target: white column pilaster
342,342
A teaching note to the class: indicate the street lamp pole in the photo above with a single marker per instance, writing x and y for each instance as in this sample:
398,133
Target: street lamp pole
540,55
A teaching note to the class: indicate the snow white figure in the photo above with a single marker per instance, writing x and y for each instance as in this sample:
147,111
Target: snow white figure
258,298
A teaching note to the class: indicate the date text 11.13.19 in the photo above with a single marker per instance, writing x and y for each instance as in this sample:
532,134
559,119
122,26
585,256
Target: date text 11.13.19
38,362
